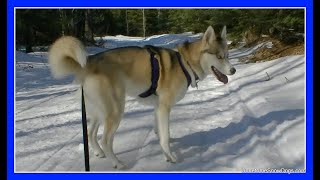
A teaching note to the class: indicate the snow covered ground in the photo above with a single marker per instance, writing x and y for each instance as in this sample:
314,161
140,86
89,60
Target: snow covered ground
252,122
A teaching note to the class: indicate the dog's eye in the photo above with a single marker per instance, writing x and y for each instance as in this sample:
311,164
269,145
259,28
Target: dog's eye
219,57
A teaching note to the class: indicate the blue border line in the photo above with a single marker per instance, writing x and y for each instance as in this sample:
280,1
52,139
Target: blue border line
162,3
10,90
165,3
309,88
185,176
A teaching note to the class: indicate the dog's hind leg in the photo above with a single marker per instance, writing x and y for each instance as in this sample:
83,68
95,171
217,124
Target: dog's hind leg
115,107
162,113
92,136
110,127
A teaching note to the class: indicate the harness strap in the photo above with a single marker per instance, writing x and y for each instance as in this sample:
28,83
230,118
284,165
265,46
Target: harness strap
184,69
154,75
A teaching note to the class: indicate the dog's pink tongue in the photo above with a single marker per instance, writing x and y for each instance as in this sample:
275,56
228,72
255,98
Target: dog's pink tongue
221,77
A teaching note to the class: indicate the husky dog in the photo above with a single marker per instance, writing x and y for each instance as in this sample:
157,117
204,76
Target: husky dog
156,76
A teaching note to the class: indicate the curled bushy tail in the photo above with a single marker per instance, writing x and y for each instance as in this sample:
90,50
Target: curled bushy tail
67,56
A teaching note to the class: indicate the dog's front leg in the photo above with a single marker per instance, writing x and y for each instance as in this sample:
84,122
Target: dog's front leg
155,128
162,113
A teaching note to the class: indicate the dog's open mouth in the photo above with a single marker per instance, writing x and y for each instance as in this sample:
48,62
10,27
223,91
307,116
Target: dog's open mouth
221,77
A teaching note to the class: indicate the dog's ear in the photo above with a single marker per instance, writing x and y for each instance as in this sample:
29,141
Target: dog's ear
209,35
224,32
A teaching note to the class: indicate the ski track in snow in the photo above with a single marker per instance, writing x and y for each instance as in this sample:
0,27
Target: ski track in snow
251,122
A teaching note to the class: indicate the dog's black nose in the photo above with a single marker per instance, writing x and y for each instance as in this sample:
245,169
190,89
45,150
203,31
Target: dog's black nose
233,70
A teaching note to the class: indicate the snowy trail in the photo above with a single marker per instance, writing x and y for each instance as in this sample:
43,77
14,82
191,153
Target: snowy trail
251,122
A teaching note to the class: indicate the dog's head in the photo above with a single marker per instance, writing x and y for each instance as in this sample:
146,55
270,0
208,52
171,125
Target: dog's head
214,55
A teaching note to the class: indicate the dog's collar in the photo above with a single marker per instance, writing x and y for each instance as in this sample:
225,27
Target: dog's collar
194,73
196,77
191,79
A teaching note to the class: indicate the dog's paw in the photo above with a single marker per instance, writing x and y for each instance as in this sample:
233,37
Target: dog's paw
99,154
171,158
155,131
119,165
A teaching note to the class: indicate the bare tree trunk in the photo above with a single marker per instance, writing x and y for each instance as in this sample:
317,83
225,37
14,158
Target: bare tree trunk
127,22
28,32
143,23
72,23
158,17
28,36
87,30
62,21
